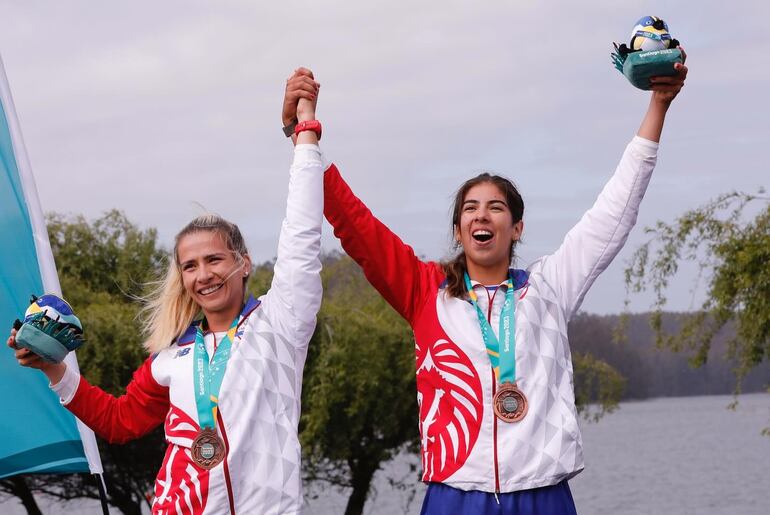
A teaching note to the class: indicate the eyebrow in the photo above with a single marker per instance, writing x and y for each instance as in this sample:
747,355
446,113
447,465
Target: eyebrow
207,256
494,201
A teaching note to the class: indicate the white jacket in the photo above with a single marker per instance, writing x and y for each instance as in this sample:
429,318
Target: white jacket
463,444
259,401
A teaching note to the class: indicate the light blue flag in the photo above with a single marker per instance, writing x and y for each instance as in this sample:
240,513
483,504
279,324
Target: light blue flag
37,434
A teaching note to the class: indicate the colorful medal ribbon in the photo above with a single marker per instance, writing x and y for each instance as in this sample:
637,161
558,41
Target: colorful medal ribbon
208,375
503,357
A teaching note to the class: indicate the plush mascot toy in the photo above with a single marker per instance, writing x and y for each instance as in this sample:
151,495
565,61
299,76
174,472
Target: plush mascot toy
50,329
651,52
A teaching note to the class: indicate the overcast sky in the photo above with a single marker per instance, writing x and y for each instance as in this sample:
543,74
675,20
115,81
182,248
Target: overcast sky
156,107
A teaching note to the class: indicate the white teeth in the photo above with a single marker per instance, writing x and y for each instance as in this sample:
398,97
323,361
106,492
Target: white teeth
212,289
482,232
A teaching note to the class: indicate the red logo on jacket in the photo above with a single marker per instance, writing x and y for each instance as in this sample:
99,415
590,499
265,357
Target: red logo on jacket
451,408
181,487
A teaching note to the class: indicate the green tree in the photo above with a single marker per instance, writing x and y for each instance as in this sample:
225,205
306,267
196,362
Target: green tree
359,400
728,239
598,386
102,266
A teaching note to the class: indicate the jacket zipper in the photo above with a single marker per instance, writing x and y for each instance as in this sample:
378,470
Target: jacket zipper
494,436
225,468
494,418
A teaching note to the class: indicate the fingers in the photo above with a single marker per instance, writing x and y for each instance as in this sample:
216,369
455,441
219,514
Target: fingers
684,54
27,358
12,339
303,71
301,87
681,70
665,82
680,76
303,83
670,84
298,77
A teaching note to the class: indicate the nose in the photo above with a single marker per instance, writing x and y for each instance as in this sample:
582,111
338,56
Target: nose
482,214
203,274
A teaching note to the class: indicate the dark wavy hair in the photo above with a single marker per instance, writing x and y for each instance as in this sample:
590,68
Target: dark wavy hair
456,267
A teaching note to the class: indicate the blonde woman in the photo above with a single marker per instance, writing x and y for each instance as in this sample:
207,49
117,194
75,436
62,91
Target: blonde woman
226,385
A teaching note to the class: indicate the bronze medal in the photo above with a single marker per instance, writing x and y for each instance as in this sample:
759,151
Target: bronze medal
208,450
510,404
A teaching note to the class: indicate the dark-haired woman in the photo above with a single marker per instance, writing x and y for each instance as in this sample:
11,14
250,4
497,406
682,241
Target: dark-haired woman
497,420
225,373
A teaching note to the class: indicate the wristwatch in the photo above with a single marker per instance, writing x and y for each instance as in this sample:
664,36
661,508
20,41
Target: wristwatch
289,129
309,125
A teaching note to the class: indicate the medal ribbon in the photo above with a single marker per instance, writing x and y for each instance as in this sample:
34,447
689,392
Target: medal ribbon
207,376
503,357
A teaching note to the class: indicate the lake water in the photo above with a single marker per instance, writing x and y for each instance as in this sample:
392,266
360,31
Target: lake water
673,456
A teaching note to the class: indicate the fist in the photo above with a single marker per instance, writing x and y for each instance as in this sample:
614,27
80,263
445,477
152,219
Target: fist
27,358
300,86
665,89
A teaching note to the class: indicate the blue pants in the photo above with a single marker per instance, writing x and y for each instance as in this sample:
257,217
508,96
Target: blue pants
441,499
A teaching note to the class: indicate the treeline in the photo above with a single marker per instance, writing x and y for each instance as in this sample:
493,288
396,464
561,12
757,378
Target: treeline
650,371
359,400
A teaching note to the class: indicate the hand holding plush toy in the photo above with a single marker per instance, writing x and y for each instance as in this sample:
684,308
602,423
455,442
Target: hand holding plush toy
50,329
652,52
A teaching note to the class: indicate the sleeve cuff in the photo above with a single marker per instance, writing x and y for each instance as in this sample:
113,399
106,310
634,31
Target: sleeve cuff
306,152
645,147
67,387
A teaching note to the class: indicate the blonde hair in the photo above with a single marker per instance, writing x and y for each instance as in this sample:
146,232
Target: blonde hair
168,309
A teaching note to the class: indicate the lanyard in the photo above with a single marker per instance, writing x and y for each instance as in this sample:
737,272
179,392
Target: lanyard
503,357
207,376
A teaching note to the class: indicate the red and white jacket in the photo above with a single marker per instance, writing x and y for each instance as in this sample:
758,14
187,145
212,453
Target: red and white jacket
259,401
463,444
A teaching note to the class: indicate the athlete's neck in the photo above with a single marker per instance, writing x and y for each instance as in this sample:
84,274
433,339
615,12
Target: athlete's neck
487,275
220,321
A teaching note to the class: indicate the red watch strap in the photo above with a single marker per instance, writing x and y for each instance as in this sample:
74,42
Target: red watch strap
309,125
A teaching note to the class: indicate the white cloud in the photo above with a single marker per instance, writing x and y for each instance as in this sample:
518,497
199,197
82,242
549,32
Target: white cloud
151,106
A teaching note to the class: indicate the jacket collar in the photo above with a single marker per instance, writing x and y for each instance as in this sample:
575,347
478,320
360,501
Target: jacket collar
188,336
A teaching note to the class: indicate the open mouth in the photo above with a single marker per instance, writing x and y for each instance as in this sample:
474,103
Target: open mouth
210,289
482,235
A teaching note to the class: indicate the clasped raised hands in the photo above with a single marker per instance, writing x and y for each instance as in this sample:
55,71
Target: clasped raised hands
300,98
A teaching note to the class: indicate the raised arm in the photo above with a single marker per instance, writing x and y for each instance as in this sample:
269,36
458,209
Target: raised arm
389,264
592,244
295,293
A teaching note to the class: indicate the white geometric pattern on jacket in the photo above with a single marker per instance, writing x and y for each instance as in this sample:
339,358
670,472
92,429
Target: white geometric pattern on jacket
260,394
546,447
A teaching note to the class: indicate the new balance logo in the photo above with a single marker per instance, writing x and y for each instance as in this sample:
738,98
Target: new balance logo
182,352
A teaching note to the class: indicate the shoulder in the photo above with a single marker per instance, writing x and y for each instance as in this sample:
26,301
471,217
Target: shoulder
437,276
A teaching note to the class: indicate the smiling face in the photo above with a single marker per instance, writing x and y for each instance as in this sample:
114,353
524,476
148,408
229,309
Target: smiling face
487,231
211,273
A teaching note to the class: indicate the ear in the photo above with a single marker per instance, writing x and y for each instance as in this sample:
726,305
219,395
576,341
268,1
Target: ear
246,265
518,229
457,234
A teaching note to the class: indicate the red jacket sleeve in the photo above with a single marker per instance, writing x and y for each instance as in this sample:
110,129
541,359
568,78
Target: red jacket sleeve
120,419
388,263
